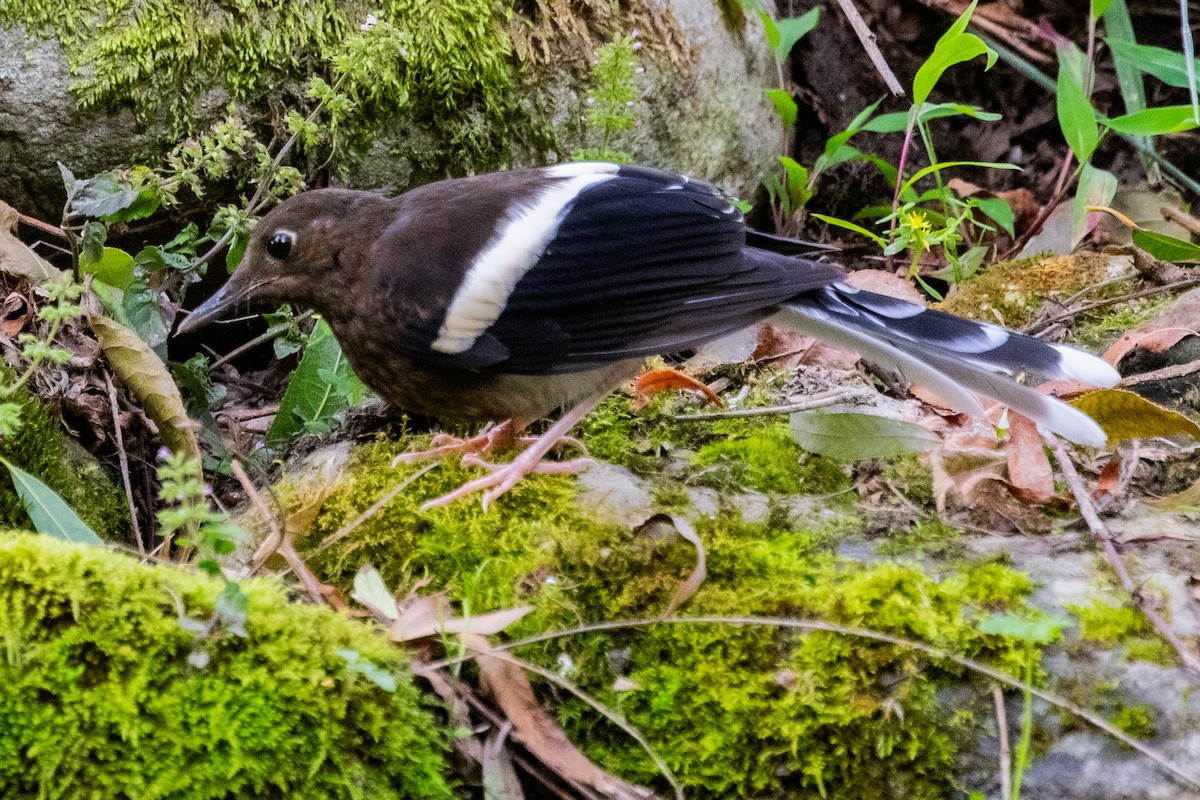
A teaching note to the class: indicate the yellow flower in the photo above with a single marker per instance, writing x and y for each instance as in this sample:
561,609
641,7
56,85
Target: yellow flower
918,221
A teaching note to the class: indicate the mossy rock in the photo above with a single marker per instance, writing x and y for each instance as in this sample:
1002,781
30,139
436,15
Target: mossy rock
41,448
101,698
735,711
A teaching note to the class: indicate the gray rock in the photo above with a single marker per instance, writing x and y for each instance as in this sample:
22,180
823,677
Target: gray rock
41,124
702,112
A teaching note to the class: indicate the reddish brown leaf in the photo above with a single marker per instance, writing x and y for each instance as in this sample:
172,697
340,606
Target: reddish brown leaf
537,731
16,315
1156,341
1029,469
1110,478
661,380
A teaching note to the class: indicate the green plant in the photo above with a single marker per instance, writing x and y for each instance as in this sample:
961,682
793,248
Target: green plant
610,106
37,349
1033,633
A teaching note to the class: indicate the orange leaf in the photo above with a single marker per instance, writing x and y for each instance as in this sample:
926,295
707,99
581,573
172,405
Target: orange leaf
663,380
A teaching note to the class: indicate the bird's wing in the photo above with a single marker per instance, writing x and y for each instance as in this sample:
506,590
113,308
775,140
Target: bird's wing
592,263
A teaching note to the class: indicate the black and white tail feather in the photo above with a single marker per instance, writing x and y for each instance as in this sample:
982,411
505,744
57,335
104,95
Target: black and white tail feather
953,357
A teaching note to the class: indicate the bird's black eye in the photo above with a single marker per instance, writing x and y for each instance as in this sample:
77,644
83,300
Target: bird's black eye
280,244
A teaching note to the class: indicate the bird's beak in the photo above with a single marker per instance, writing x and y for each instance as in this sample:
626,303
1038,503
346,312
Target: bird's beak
235,290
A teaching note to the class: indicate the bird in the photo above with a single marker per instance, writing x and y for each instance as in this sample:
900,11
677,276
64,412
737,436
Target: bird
507,296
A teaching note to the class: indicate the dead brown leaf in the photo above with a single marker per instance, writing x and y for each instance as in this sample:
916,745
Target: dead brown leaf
1029,469
1110,478
15,315
696,579
431,615
537,731
654,381
15,258
1158,340
500,781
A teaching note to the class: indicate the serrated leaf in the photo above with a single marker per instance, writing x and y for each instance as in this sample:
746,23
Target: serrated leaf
785,105
1168,248
147,377
856,437
1123,415
49,513
102,196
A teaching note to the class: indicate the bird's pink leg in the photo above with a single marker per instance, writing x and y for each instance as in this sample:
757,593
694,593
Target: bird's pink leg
502,477
492,436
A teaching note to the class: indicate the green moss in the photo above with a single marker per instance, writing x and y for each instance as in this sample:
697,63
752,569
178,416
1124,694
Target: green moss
453,78
1122,625
42,449
770,461
100,699
735,711
929,537
1137,721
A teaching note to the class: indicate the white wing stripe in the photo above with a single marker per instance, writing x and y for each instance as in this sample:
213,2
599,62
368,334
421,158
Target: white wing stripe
512,251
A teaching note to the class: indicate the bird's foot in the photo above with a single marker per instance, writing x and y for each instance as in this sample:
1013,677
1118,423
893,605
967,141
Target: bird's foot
493,436
502,477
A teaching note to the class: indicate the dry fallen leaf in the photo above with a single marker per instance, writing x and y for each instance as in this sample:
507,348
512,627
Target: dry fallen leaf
144,373
16,315
883,282
537,731
1158,340
15,258
696,579
1029,469
430,615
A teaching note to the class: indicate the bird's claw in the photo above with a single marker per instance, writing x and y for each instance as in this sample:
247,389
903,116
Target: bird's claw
502,477
444,444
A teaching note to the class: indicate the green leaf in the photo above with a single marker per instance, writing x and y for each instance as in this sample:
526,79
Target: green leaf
1097,187
998,210
955,47
322,385
785,105
941,165
1076,116
1039,630
1129,77
850,226
1168,66
49,513
368,669
237,249
857,437
102,196
797,182
1155,121
1099,7
770,29
898,121
1168,248
793,29
114,267
372,592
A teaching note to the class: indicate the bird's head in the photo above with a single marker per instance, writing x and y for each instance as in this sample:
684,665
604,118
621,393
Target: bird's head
296,254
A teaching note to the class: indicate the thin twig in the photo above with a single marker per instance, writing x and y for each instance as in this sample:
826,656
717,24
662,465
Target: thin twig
123,460
1165,374
820,400
869,44
1005,753
1184,219
270,334
1035,328
1096,525
341,532
863,633
44,227
274,538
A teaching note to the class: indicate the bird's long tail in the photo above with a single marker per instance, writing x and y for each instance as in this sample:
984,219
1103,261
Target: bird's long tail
953,357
